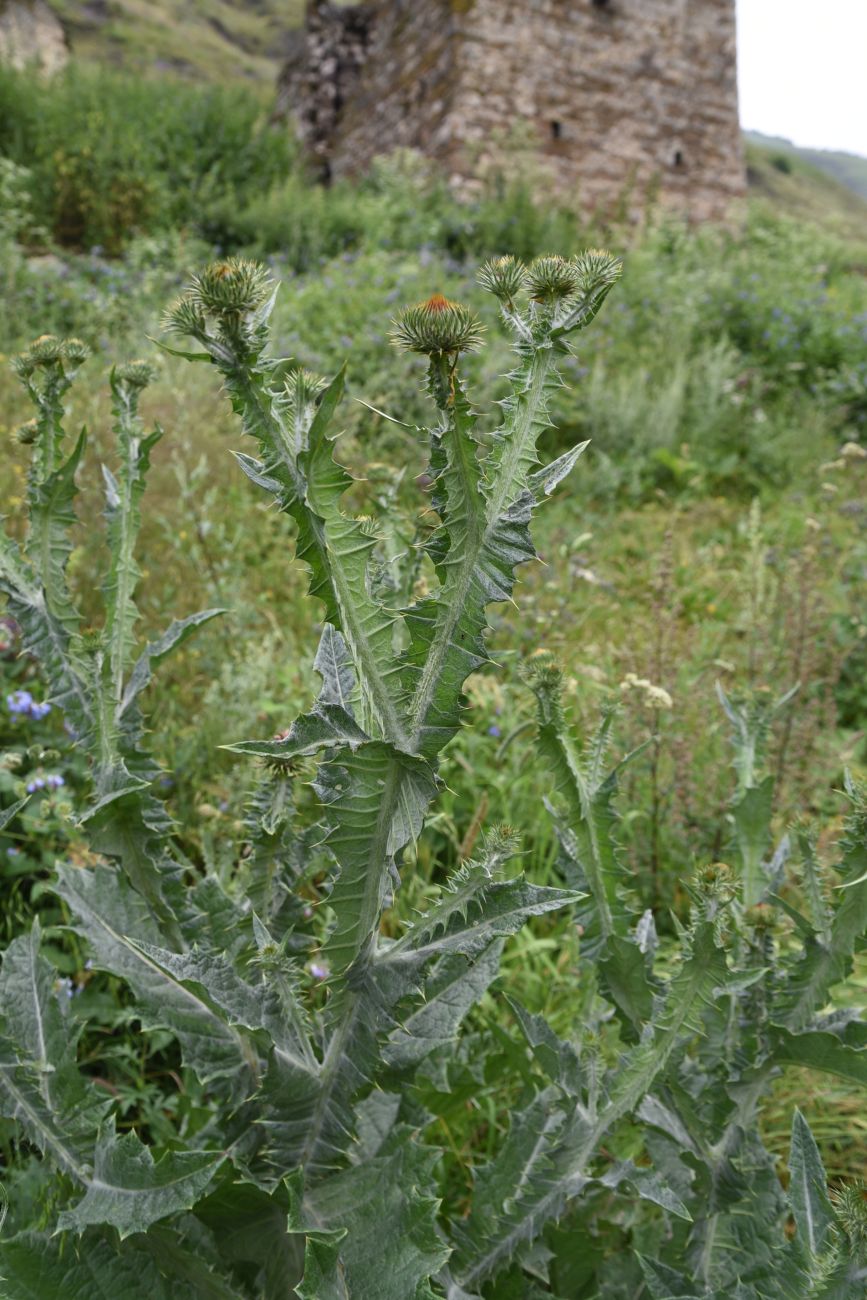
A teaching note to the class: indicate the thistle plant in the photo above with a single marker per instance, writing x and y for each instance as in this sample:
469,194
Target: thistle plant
310,1168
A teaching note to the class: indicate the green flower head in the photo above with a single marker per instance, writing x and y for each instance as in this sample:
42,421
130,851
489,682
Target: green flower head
75,351
504,277
43,352
551,279
186,317
597,269
135,374
234,287
437,327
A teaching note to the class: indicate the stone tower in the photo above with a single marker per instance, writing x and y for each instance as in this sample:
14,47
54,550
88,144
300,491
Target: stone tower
625,101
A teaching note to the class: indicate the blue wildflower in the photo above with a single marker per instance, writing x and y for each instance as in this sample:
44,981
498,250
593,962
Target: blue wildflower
19,702
494,731
22,703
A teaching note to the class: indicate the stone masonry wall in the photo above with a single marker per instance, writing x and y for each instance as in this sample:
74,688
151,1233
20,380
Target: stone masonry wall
322,74
625,102
31,34
405,95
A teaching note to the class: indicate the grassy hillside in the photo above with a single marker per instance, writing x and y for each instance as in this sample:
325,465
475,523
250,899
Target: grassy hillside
847,168
217,39
797,188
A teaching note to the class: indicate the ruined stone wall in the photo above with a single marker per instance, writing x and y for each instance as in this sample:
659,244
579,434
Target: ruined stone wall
321,74
627,100
406,93
31,34
626,103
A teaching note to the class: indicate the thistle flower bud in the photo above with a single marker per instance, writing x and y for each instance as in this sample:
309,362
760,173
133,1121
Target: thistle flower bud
437,326
23,366
303,386
234,287
543,672
502,842
186,317
597,269
714,872
46,350
75,351
27,433
551,279
760,917
717,880
504,277
135,374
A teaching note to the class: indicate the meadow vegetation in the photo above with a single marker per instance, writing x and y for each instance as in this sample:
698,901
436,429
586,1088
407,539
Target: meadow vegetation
701,591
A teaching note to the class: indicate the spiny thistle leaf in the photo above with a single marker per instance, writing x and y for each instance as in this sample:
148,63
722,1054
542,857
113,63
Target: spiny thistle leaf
35,1267
827,955
375,801
808,1190
371,1230
547,1159
452,988
130,1190
8,815
586,792
40,1085
115,920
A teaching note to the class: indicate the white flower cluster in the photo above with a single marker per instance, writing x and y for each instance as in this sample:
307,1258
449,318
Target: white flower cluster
849,453
655,697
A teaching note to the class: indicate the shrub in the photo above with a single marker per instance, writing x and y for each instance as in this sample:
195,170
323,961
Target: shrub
113,155
323,1052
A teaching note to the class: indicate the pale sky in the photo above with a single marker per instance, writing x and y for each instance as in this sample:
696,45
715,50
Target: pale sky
803,71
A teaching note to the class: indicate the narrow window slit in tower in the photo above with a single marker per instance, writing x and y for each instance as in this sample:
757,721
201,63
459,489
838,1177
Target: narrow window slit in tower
678,159
556,130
